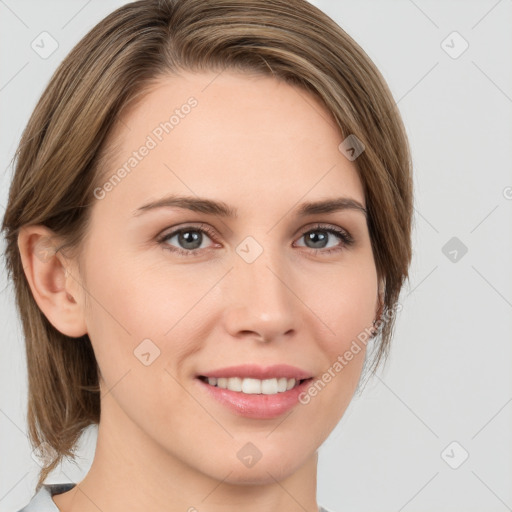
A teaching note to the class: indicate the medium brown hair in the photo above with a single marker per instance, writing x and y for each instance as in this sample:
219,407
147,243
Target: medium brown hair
63,153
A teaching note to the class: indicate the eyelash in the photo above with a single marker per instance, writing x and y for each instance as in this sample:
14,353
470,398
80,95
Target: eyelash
345,237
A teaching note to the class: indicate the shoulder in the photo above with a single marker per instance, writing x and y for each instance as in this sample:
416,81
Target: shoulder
323,509
42,499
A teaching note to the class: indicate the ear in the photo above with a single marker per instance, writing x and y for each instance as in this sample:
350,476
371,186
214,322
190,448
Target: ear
53,280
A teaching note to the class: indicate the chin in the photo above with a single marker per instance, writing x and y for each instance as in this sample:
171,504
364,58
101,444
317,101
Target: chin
250,466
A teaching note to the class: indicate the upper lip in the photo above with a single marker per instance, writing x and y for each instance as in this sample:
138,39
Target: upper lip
259,372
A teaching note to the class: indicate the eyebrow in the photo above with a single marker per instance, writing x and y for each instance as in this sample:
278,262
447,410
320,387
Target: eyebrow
221,209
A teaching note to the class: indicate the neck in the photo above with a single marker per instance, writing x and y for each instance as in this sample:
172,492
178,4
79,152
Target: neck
130,472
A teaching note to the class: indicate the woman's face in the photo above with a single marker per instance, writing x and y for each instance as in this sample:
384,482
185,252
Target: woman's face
263,286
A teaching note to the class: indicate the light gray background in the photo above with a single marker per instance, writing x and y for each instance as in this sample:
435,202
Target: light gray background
448,378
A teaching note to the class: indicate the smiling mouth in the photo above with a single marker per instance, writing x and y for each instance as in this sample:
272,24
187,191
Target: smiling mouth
252,386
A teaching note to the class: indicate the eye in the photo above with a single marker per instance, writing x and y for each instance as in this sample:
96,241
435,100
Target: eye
317,238
189,239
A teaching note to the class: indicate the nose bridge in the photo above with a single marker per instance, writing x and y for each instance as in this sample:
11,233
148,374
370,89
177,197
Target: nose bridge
261,300
264,275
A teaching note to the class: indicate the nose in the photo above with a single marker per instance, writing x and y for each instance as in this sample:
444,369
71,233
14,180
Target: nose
259,301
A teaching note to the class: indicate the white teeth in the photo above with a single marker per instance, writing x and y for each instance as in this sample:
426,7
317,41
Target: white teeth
253,386
269,386
234,384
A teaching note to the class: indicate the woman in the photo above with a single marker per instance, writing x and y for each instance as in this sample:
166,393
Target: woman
209,220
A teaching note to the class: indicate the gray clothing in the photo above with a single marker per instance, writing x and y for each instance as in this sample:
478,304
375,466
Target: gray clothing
42,500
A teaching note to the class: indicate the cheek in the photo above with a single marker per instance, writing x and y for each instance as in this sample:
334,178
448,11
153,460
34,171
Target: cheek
344,305
140,323
137,296
178,307
344,310
344,300
133,300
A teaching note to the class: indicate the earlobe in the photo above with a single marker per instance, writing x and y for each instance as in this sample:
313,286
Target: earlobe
51,281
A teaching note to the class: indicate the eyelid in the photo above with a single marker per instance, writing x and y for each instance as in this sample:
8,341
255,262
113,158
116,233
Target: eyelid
163,236
326,226
342,233
346,238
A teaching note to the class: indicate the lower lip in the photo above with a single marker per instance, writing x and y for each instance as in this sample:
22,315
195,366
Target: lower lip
256,406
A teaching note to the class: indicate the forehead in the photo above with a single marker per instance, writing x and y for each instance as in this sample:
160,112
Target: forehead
215,135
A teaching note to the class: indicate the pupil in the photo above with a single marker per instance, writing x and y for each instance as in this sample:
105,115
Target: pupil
313,237
190,237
